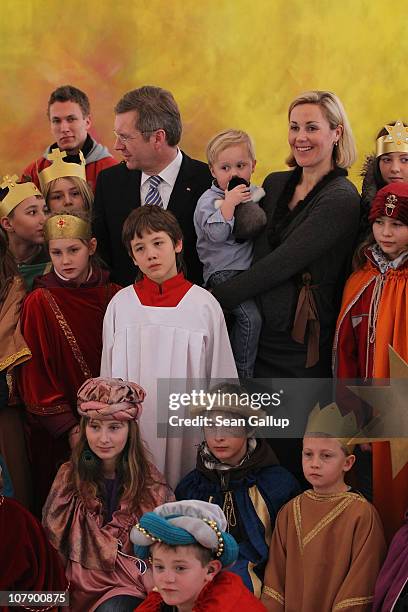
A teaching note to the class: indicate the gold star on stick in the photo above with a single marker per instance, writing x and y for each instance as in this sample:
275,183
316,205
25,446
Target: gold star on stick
390,412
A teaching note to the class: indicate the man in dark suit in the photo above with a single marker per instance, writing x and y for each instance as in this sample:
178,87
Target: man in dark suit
154,172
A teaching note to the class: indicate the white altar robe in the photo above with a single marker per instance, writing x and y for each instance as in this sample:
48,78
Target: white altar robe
146,343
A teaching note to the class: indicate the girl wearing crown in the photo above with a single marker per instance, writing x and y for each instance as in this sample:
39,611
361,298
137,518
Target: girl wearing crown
22,256
388,165
372,317
22,217
99,495
64,184
61,322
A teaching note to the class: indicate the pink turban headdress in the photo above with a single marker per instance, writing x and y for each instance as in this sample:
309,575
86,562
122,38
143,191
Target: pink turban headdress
110,399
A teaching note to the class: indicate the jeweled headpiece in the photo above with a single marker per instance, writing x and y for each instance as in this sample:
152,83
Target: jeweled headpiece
67,226
183,523
17,192
391,201
396,139
60,169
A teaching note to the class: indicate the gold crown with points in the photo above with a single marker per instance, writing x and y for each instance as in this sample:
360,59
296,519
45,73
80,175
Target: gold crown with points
330,421
17,192
66,226
60,169
395,141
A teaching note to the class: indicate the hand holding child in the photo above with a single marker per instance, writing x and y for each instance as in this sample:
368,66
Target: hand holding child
240,193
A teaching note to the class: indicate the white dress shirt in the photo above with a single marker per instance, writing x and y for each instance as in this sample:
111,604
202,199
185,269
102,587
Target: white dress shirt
168,176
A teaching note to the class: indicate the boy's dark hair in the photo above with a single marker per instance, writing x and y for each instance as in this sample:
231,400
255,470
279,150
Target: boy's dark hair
68,93
150,219
156,109
204,555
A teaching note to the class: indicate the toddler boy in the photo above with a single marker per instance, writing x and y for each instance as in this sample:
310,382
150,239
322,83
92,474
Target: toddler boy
223,252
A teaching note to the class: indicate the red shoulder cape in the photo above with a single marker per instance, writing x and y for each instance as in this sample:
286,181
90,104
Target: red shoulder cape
226,593
28,562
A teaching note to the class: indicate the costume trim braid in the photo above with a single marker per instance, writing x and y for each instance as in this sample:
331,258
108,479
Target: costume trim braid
68,334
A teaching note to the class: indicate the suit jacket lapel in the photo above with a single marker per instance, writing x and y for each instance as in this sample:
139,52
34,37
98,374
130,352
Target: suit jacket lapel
183,189
132,189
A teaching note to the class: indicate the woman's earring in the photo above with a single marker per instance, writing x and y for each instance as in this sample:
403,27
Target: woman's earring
88,458
87,455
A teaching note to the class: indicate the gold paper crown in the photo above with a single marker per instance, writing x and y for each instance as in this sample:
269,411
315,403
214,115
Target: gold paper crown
396,139
66,226
330,421
16,194
59,168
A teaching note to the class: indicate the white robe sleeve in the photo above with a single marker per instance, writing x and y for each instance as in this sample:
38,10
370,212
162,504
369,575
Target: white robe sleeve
220,361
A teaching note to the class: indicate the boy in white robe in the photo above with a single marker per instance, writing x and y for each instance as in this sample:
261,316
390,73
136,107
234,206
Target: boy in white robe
164,328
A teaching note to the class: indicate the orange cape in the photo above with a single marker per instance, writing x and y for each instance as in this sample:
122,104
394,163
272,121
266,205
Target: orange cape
390,494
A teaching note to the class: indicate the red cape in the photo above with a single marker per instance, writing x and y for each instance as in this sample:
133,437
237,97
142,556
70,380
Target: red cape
27,561
63,330
226,593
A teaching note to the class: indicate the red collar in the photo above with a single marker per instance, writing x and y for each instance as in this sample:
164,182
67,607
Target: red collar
168,294
226,592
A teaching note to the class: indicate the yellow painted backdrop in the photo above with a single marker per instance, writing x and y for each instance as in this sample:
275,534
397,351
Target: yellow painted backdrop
228,63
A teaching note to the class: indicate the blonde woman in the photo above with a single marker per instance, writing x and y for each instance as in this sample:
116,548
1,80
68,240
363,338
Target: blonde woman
300,256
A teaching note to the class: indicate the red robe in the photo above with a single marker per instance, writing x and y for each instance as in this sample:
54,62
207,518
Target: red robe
62,326
226,593
356,357
28,562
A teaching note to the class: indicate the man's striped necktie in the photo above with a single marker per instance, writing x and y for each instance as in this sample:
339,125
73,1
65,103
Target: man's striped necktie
153,195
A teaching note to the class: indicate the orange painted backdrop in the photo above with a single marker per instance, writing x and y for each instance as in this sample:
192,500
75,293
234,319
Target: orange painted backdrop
229,64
